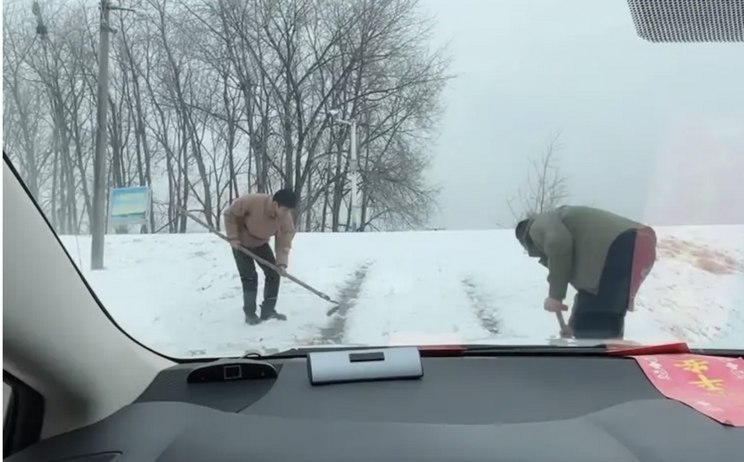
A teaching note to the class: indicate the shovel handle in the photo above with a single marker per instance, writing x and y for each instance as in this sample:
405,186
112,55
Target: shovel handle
562,323
284,273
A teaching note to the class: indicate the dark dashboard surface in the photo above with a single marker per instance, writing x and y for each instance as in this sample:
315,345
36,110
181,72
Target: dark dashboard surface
463,409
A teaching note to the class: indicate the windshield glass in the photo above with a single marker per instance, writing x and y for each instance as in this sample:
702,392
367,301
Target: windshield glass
252,176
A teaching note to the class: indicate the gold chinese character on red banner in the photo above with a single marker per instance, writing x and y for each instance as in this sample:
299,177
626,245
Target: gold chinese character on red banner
708,384
695,366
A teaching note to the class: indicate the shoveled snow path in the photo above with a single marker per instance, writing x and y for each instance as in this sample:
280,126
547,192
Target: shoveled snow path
402,304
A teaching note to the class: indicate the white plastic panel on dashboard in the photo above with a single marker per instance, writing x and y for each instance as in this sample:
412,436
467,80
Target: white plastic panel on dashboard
363,365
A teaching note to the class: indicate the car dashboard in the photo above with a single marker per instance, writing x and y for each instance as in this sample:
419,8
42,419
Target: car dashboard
481,408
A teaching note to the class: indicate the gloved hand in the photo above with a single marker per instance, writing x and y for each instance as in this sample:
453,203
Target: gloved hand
282,269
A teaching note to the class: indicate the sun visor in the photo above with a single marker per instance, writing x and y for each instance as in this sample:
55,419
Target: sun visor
689,20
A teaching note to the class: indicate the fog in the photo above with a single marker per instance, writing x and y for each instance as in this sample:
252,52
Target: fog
652,131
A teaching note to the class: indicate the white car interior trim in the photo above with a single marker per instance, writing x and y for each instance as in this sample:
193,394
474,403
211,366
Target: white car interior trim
57,339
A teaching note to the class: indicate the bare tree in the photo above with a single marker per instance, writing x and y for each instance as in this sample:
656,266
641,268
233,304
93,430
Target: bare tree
22,108
545,187
211,99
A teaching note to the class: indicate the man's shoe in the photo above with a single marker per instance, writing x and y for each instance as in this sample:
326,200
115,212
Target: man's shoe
252,319
273,315
268,311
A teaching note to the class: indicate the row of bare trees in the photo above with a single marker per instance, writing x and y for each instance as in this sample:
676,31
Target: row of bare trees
211,99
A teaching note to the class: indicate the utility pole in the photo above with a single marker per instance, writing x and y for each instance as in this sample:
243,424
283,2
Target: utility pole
356,205
98,218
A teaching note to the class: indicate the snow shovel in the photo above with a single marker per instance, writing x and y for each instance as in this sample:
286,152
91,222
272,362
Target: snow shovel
562,324
262,261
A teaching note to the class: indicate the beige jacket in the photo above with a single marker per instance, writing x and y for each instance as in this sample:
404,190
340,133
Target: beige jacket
252,220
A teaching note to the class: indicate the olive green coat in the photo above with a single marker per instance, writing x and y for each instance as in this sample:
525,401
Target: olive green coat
573,242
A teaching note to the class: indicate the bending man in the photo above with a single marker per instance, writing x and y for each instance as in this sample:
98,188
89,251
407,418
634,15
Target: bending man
604,256
251,221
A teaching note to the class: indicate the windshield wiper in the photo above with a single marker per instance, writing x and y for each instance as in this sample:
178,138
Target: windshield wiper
290,353
301,352
453,350
510,350
599,349
428,351
609,348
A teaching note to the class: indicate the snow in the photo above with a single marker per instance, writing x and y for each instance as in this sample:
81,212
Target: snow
180,294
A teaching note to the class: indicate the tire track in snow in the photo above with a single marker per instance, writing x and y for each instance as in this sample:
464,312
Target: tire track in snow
483,307
333,332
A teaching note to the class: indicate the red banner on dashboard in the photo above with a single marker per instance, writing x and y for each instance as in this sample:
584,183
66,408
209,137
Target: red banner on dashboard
711,385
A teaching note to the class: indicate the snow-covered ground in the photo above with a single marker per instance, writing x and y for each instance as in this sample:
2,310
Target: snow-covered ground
180,294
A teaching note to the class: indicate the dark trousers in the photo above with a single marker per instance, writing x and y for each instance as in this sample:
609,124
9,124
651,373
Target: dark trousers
249,277
602,315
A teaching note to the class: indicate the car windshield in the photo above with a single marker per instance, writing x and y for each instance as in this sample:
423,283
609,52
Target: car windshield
252,176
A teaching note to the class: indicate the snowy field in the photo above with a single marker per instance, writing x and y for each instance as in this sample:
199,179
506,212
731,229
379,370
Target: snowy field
180,294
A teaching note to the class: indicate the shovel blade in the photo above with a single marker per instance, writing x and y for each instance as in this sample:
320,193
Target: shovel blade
333,310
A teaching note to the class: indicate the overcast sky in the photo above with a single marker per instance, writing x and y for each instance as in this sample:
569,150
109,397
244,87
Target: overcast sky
652,131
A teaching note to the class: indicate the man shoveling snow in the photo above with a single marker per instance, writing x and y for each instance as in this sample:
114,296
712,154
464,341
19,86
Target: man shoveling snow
251,221
604,256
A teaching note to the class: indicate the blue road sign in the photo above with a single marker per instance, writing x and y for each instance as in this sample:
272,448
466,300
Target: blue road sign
129,206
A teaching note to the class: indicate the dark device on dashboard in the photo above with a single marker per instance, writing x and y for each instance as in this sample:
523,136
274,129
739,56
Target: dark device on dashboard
225,370
326,367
